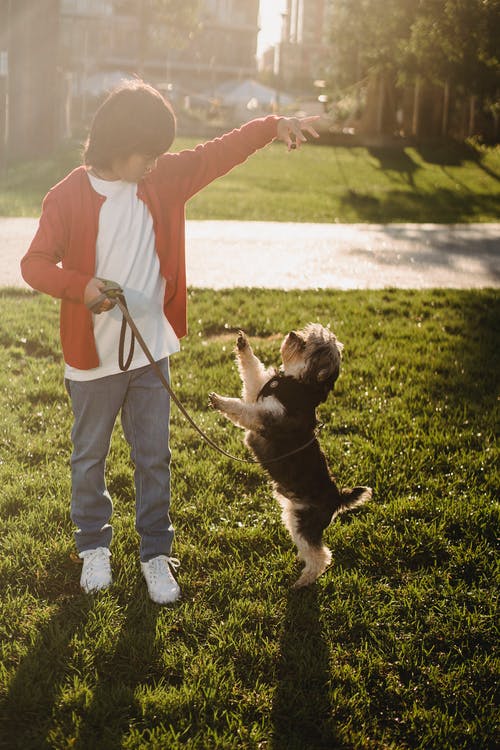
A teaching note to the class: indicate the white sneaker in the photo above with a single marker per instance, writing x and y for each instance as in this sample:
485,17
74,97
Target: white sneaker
162,586
96,572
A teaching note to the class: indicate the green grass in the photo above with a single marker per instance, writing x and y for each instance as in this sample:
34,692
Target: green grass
441,183
394,647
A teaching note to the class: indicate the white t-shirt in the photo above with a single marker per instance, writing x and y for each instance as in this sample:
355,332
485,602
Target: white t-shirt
126,253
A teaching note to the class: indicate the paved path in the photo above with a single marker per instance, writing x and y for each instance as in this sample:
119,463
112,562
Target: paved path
292,256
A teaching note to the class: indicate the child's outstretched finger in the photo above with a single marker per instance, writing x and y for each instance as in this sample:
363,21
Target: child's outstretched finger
306,123
312,131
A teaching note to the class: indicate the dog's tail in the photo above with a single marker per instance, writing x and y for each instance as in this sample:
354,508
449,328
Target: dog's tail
352,498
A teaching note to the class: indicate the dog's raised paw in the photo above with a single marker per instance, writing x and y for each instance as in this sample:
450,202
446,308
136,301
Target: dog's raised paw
241,341
214,400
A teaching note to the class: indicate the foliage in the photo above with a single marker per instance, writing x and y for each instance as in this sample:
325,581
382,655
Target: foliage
458,42
369,35
455,40
396,645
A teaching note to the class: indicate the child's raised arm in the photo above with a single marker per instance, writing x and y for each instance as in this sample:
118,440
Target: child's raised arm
191,170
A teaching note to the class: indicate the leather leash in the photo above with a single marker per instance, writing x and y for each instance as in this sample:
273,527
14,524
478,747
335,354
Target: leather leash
113,292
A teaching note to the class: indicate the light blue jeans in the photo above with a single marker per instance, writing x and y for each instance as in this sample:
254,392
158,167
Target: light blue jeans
145,417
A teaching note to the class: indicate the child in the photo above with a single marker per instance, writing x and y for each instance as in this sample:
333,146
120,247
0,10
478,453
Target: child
120,216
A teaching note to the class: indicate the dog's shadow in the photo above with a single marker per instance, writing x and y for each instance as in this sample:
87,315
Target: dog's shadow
302,711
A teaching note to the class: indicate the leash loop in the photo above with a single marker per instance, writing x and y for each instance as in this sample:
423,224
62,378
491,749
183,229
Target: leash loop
112,292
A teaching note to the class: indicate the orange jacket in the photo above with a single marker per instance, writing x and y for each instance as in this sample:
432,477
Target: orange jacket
68,226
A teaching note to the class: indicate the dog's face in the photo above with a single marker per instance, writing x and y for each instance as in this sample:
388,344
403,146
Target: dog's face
312,355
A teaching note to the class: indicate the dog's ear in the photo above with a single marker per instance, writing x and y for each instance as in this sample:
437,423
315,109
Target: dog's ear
327,374
323,370
296,339
323,363
328,371
326,385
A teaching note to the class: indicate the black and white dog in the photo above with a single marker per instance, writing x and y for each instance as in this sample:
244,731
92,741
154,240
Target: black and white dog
278,411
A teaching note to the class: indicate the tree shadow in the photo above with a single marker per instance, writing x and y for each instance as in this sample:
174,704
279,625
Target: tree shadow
302,713
487,170
444,154
430,249
441,206
395,160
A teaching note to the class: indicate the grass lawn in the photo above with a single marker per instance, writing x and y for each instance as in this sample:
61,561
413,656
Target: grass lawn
441,183
394,647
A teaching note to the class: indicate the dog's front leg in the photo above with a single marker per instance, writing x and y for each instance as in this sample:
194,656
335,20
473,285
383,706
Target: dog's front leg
253,373
248,416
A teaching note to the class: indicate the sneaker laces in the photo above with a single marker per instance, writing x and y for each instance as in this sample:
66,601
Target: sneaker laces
161,564
96,566
95,556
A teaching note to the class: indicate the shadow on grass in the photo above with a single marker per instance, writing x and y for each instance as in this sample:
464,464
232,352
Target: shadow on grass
441,206
397,161
86,705
35,687
471,372
112,710
445,154
302,714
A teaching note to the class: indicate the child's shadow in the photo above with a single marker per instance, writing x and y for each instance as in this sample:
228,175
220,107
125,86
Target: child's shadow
133,661
302,711
28,706
48,696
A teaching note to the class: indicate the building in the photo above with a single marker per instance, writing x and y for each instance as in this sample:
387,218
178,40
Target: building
304,49
99,36
226,40
56,56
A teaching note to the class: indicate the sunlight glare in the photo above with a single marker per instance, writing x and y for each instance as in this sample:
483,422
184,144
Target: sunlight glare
270,23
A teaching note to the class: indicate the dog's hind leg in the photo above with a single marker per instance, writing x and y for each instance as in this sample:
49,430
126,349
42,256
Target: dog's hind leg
253,373
305,525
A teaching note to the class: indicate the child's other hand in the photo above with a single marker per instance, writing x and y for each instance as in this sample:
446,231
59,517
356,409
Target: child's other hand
290,130
92,291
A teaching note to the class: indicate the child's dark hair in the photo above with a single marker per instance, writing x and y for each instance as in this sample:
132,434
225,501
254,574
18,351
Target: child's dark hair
134,119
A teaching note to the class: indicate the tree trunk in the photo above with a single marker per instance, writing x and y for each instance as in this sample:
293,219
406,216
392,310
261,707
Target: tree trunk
472,115
380,104
446,109
415,128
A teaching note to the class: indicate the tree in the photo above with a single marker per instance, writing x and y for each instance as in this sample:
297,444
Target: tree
449,42
370,36
458,41
370,40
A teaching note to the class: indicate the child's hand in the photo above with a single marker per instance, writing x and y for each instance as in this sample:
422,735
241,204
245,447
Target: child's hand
290,130
92,291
